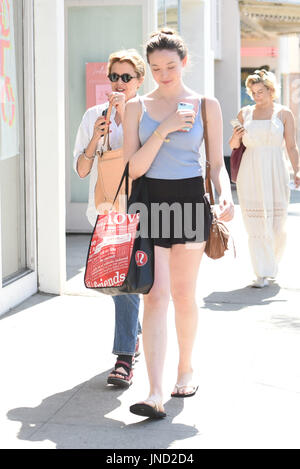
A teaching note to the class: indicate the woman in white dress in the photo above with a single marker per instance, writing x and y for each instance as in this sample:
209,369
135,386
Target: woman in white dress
263,178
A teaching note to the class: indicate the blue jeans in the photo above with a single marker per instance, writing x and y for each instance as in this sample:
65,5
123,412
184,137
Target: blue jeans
127,325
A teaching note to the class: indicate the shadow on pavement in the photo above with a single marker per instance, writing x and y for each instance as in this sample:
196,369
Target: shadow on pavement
79,419
34,300
235,300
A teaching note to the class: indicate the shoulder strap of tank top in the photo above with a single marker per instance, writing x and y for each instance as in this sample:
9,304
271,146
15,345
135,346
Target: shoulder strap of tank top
278,111
200,107
247,113
208,186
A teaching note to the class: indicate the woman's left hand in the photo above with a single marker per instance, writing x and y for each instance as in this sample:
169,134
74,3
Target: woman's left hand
118,101
226,209
297,178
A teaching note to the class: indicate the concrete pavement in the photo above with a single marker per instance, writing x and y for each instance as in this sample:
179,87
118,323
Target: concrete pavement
56,354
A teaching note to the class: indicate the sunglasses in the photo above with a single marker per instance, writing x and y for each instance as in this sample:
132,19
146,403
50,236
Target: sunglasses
114,77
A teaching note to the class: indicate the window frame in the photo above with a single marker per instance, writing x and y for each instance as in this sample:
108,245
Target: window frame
23,284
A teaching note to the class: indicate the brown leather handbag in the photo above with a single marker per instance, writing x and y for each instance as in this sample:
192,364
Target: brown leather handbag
110,170
218,239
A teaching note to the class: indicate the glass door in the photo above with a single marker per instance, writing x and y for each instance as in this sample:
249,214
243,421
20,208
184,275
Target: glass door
12,167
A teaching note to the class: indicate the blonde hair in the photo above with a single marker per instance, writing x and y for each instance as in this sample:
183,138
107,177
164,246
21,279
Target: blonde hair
268,79
132,57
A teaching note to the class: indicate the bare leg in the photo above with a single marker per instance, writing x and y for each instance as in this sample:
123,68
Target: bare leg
155,325
184,266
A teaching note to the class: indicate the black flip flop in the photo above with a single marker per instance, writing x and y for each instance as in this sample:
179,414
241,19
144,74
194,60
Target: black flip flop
146,410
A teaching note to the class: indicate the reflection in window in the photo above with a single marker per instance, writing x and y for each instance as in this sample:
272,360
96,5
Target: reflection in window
169,13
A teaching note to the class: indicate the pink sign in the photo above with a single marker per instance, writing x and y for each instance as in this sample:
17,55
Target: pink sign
97,83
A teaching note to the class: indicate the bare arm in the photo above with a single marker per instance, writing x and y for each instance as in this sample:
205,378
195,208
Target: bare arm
218,170
85,162
291,144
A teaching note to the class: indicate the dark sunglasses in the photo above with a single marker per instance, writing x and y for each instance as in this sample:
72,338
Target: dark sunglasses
114,77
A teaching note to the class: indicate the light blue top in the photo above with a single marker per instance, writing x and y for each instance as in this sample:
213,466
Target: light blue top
179,158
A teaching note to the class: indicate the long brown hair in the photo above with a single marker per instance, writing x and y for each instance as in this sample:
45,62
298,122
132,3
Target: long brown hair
166,38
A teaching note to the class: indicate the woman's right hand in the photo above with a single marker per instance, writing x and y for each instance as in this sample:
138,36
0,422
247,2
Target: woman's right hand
99,129
237,136
178,120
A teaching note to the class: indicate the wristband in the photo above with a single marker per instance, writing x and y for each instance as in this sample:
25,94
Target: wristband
161,137
89,158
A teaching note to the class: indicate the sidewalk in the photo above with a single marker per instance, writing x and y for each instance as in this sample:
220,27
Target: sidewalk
56,354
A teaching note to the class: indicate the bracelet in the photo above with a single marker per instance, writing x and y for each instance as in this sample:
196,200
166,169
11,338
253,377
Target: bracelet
89,158
161,137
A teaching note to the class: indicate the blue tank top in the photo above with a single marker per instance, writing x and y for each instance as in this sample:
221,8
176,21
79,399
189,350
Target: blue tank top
179,158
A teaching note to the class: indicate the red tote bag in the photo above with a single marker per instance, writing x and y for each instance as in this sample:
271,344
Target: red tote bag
110,250
120,260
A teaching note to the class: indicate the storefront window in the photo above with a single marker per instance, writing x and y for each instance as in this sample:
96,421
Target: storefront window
12,179
169,14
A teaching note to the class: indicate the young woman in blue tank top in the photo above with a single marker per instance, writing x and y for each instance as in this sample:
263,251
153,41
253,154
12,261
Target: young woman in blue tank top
163,143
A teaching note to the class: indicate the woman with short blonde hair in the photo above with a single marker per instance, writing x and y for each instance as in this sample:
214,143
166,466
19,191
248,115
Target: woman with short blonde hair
263,177
268,79
126,70
127,55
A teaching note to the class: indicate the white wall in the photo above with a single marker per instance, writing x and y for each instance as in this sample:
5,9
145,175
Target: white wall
50,143
196,31
289,54
227,70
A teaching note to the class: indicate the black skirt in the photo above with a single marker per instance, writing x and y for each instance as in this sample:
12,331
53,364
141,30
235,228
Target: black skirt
179,212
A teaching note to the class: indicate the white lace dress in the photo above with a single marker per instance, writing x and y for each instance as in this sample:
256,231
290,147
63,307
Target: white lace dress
263,190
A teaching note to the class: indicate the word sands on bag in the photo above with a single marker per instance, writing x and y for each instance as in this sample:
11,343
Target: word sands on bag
119,259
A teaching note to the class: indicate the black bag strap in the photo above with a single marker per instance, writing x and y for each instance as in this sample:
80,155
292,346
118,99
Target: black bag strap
126,177
139,191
